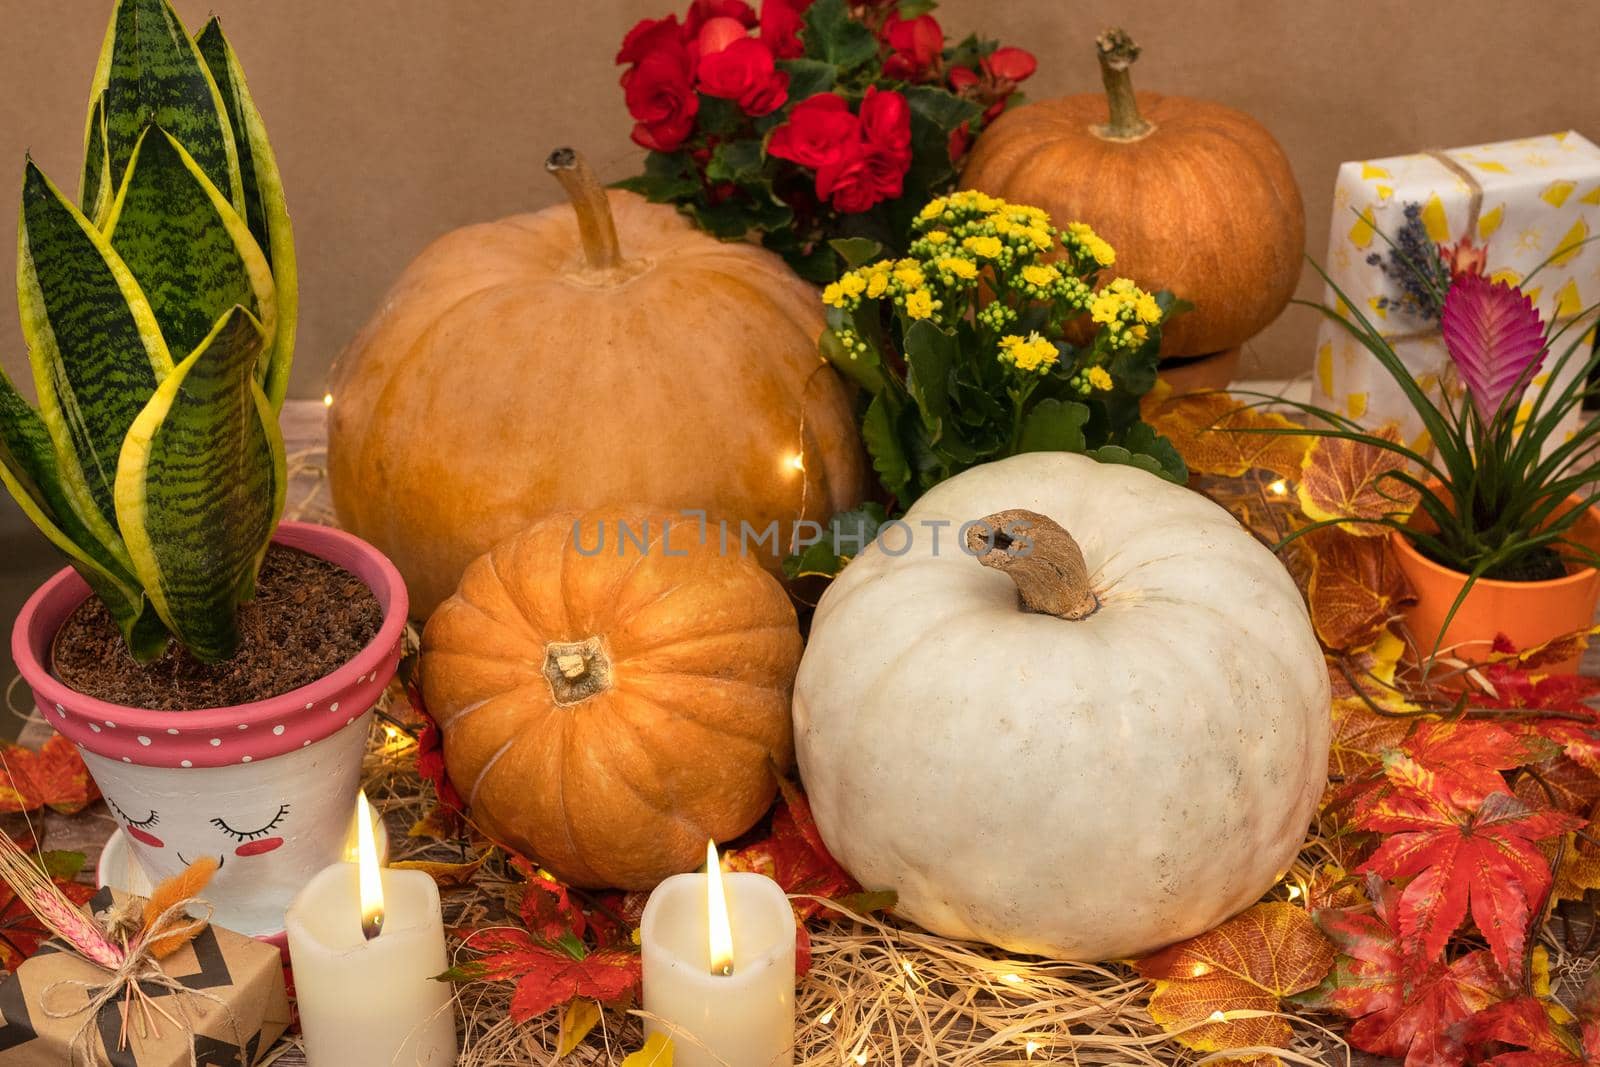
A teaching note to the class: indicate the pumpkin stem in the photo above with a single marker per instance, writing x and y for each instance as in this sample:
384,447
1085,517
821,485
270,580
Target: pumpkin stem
1117,52
1034,551
596,227
576,670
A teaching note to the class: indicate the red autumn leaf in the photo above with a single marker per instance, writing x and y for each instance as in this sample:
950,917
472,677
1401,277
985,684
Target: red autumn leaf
1560,783
1526,1024
1470,751
1361,737
547,909
794,856
445,819
1399,1006
1247,965
1355,588
1343,479
20,933
547,977
1576,727
53,777
1462,851
1556,650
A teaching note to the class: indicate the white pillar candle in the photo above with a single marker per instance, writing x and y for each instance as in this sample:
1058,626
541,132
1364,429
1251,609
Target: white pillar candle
742,1018
365,986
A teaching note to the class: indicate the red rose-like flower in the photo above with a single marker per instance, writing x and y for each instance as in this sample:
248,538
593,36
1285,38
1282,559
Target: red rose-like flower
703,11
744,71
886,124
717,34
876,170
659,90
781,24
917,46
961,79
960,141
650,35
1009,64
821,131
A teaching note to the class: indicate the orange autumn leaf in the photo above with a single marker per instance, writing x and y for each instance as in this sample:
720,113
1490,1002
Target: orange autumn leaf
1246,965
54,777
1355,588
1556,650
1341,479
1213,433
1361,737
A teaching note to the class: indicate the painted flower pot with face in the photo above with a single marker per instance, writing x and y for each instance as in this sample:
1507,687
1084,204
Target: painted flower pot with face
268,788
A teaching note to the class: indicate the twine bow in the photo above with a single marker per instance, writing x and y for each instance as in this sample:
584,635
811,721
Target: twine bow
140,968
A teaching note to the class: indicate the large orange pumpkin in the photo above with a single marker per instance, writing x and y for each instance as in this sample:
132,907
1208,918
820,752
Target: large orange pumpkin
612,698
1195,197
602,352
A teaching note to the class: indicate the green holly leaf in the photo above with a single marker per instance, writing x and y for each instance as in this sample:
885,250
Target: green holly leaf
834,36
1054,426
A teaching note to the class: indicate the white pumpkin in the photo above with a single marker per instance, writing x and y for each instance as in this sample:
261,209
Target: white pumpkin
1084,788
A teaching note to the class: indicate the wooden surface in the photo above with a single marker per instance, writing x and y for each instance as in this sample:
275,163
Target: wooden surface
303,434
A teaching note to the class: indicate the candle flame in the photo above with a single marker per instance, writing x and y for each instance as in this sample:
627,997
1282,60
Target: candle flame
370,881
717,913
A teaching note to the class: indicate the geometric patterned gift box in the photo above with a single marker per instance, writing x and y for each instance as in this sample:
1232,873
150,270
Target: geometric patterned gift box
232,1003
1527,201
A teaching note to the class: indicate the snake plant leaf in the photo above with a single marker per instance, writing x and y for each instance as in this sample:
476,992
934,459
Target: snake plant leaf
28,469
152,73
95,188
190,252
199,484
265,208
96,351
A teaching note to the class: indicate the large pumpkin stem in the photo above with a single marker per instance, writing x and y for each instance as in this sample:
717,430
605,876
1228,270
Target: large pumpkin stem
596,227
1117,52
576,670
1034,551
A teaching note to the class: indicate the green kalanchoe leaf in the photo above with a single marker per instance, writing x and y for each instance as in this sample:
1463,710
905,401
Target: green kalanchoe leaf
1054,426
200,483
188,249
96,351
883,444
152,73
95,188
266,211
29,470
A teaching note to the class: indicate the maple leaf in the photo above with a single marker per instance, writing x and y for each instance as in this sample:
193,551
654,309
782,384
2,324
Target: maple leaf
1473,752
1213,434
1361,737
1249,963
1558,782
793,855
1527,1024
1342,479
446,875
446,818
547,908
21,933
547,976
1355,588
1556,650
53,777
1463,851
1399,1007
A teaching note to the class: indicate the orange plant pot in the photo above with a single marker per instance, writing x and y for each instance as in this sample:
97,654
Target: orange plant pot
1529,613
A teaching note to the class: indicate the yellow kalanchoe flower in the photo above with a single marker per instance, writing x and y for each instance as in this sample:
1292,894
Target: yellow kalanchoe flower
1100,378
919,305
909,274
1040,274
987,247
964,269
1146,308
1028,354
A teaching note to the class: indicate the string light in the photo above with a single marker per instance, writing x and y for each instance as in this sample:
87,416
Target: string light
860,1058
1294,892
1011,979
1031,1047
905,965
826,1017
1217,1016
796,462
327,400
1278,488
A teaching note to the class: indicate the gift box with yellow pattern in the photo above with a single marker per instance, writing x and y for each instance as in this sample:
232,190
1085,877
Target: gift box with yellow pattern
1533,203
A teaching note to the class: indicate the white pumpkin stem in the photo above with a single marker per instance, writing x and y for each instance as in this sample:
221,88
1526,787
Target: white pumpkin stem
596,228
1117,51
1038,554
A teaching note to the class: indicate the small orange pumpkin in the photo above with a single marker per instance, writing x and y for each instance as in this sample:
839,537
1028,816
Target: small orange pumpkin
613,690
595,354
1195,197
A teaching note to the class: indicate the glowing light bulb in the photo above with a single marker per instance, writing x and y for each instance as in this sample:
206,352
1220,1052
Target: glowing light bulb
1217,1017
327,400
1294,892
1030,1048
721,930
796,462
1011,979
1278,488
368,877
826,1017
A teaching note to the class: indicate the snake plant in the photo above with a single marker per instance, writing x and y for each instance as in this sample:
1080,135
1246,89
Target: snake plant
159,313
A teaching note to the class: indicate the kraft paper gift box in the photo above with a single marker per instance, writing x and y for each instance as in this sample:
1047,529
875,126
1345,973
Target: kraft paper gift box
238,1004
1527,201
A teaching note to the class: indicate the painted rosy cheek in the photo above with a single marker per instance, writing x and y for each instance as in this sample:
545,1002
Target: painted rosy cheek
256,848
145,837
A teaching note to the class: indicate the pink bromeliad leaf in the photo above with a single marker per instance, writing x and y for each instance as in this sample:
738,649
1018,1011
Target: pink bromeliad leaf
1495,337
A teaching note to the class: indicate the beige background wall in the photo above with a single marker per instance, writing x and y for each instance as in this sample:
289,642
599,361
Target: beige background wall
395,120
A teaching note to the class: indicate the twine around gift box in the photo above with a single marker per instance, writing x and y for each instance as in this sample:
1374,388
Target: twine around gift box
139,969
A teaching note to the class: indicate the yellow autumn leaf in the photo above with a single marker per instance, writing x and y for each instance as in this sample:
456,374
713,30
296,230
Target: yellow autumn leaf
1236,976
1341,479
657,1052
576,1022
1216,434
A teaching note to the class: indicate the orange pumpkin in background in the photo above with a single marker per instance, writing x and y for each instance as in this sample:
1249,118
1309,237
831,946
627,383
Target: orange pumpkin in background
595,353
1195,197
610,700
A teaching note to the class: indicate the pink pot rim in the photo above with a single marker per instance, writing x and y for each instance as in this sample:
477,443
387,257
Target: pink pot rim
196,738
1404,547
